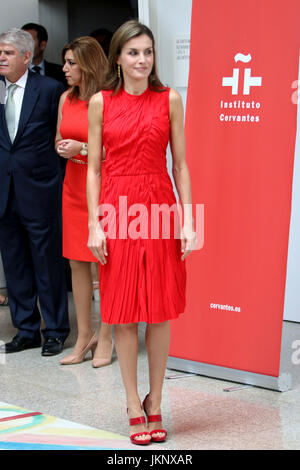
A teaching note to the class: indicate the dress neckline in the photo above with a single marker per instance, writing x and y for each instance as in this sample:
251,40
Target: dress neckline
135,96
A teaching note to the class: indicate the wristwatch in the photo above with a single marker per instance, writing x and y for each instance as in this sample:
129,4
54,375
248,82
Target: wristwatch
84,149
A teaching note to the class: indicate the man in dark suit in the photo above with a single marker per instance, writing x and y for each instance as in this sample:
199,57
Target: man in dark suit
39,64
43,67
30,199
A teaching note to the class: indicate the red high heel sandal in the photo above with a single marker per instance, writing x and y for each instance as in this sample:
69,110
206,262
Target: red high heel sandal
155,419
134,422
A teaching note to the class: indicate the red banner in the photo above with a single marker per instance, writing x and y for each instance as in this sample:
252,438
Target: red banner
240,128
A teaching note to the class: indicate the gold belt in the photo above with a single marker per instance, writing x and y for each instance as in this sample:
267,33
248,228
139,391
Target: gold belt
81,162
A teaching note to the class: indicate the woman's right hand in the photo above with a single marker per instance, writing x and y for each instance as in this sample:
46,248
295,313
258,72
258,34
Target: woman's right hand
97,243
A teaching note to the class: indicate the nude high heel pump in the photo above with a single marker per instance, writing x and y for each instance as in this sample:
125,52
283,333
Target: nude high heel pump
103,361
77,359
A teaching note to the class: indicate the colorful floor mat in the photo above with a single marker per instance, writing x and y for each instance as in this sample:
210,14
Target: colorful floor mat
21,429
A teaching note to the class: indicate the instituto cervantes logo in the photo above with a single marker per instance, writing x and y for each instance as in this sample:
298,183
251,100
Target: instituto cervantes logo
243,109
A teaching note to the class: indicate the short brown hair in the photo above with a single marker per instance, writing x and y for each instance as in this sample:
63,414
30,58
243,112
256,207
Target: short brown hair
129,30
93,64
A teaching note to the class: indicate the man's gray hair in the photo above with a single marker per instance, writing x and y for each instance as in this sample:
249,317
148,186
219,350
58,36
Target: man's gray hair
21,40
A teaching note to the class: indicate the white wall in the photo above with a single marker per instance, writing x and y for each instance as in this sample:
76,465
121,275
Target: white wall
15,13
168,20
50,13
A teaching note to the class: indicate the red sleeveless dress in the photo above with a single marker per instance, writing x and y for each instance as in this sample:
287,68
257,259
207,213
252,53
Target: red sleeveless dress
74,125
144,278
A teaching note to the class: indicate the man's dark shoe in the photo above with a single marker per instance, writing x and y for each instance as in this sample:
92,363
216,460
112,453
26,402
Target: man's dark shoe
19,343
52,346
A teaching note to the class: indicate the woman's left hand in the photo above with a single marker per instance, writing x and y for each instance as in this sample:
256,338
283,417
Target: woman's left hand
188,241
68,148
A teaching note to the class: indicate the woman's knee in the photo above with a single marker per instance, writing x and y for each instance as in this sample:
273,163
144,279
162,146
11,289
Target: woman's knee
126,328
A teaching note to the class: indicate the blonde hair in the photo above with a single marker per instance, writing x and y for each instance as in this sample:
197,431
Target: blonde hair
92,61
129,30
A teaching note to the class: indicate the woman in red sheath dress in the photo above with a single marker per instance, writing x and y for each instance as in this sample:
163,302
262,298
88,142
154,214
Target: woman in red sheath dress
143,272
84,67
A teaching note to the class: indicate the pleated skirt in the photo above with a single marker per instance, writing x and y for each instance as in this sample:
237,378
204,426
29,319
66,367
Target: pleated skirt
144,279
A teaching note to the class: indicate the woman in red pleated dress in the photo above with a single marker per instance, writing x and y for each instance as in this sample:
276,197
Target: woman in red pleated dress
143,269
84,66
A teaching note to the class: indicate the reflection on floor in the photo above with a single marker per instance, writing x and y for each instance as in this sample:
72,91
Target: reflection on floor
80,407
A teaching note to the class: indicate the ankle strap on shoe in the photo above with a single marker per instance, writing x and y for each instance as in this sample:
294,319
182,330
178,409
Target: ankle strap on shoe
154,418
139,420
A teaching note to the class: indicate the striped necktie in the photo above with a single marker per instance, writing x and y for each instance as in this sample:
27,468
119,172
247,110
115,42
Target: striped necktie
10,114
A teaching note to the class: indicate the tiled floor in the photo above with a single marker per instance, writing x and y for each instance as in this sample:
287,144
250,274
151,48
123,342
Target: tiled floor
197,412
